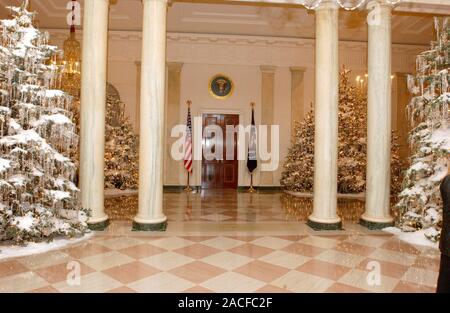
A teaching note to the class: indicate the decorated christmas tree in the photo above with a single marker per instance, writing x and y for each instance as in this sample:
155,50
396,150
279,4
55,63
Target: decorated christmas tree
121,143
38,199
420,205
298,174
121,150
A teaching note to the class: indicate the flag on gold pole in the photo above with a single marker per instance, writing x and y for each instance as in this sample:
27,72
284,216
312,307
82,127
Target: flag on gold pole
188,146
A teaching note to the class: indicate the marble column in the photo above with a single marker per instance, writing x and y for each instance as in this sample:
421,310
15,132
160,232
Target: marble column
267,113
150,215
172,168
297,97
324,216
377,213
92,112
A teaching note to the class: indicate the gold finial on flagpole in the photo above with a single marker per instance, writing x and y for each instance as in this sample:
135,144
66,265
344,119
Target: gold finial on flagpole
189,103
252,104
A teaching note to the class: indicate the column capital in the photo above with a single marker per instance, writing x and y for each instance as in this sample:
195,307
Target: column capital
373,4
300,69
175,66
328,4
268,69
168,2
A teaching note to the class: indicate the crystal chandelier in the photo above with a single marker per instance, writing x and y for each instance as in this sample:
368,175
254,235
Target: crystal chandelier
71,65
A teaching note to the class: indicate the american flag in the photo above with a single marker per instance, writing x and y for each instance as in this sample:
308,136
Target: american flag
188,143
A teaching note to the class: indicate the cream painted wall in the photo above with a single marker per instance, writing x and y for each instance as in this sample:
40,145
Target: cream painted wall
239,57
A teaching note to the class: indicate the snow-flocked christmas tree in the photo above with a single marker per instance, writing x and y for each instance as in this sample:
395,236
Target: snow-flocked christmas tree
298,174
420,204
38,199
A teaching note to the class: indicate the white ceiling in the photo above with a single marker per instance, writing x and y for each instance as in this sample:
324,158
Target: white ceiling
236,19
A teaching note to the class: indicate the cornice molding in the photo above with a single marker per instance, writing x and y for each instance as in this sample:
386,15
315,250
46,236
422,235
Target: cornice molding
240,40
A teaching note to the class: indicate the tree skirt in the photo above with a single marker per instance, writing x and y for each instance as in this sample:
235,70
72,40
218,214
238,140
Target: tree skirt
13,251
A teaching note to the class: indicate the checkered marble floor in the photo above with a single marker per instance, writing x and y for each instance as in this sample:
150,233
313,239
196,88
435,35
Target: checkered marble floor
230,242
227,206
284,263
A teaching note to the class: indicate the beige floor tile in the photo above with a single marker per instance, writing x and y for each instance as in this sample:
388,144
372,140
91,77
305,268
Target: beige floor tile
272,289
271,242
251,250
406,287
343,288
340,258
370,241
120,242
142,251
131,272
222,243
198,289
421,276
45,259
197,251
12,267
197,272
22,282
167,260
285,259
354,248
361,279
233,282
261,270
161,283
227,260
171,243
85,250
302,282
323,269
321,242
304,250
107,260
392,256
95,282
390,269
60,272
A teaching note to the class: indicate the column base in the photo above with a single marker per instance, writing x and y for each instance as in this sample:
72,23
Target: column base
374,225
324,226
161,226
99,226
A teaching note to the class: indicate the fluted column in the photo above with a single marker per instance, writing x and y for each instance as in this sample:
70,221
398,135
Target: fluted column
267,114
92,111
151,148
297,97
172,168
324,216
377,214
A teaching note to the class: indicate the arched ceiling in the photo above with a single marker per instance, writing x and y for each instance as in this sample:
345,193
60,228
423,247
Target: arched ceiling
209,17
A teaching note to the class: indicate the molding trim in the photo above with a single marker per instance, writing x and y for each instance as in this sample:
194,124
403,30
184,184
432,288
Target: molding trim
270,69
220,39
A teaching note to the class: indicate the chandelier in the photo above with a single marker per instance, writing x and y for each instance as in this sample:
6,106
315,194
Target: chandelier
71,65
348,5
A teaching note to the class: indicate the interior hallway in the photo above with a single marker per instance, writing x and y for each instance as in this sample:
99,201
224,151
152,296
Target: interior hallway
225,241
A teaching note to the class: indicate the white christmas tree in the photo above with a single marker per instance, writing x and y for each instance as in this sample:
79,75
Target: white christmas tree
420,204
38,199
